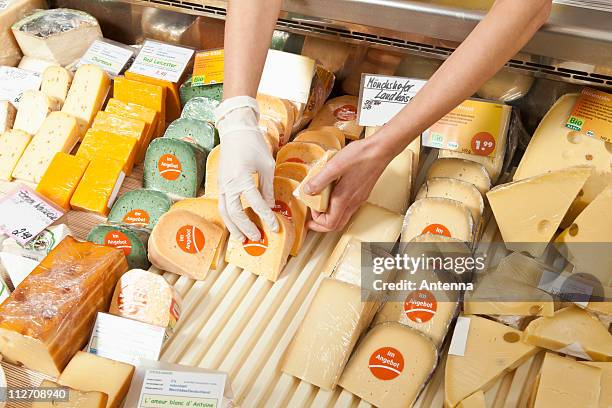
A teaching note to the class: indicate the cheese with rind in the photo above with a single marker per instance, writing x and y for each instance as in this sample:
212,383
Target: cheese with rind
320,201
292,208
56,82
62,178
132,241
393,189
34,107
325,139
280,111
340,112
76,398
8,112
461,169
441,216
605,394
300,152
454,189
293,171
140,208
13,11
12,145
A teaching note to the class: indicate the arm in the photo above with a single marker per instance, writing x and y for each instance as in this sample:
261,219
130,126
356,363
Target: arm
508,26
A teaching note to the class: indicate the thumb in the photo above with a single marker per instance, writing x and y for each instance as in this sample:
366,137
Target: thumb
330,173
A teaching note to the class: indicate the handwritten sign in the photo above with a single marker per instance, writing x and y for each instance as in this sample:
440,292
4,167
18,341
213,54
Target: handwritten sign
162,61
111,57
15,81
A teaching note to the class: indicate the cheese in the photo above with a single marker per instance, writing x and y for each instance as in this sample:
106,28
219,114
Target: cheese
11,12
198,132
272,133
393,189
200,108
88,372
86,95
211,188
187,91
292,208
414,147
133,111
60,180
280,111
56,82
453,189
7,116
140,93
564,382
99,186
146,297
268,256
291,170
58,133
12,145
324,341
491,350
528,212
573,331
325,139
506,86
36,64
75,398
390,366
102,144
123,126
440,216
184,243
140,208
476,400
173,102
49,316
132,241
332,130
416,66
554,147
605,396
320,201
34,107
460,169
340,112
300,152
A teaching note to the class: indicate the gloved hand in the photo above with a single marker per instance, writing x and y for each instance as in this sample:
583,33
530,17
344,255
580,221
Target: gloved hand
244,152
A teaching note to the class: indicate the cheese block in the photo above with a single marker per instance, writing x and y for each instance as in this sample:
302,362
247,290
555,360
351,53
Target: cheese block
393,189
8,112
605,396
140,208
461,169
207,208
281,111
492,350
146,297
140,93
454,189
200,133
268,256
292,208
58,133
291,170
86,95
36,64
476,400
56,82
11,12
320,201
554,147
211,188
173,102
174,167
390,366
300,152
572,331
331,327
414,146
200,108
34,107
326,139
123,126
187,91
75,281
528,212
61,178
99,186
12,145
76,399
564,382
111,377
101,144
340,112
132,241
506,86
184,243
272,132
440,216
139,112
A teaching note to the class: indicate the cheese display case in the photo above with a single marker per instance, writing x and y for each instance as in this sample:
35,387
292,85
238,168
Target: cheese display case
121,286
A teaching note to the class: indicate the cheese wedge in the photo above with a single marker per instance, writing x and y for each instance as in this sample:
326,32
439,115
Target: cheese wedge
394,187
8,112
325,139
293,171
132,241
453,189
34,107
173,101
140,93
320,201
605,395
300,152
340,112
272,131
438,216
461,169
476,400
139,112
12,145
99,186
414,147
61,178
124,126
211,186
102,144
491,350
280,111
56,82
76,399
292,208
528,212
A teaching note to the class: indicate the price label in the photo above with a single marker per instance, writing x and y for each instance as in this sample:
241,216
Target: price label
15,81
483,144
162,61
108,56
592,115
208,68
24,214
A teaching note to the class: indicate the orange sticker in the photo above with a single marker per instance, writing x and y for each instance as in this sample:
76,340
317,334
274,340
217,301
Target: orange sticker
483,144
386,363
420,306
437,229
169,167
190,239
346,113
283,208
295,160
256,248
139,218
119,240
175,310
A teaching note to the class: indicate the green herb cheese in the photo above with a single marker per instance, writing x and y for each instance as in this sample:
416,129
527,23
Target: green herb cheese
203,134
132,241
140,208
200,108
188,92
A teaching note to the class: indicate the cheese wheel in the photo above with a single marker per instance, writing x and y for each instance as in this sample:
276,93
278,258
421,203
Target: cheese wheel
292,208
300,152
290,170
332,130
340,112
438,216
461,169
272,131
274,108
457,190
325,139
318,202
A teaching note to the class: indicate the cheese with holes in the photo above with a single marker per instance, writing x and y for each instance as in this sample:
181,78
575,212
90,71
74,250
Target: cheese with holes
34,107
461,169
132,241
340,112
292,208
393,189
453,189
528,212
184,243
325,139
438,216
300,152
390,366
572,331
554,147
605,395
8,112
491,351
173,101
76,398
102,144
331,327
280,111
49,316
291,170
111,377
211,187
56,82
11,12
476,400
86,95
62,178
12,145
58,133
140,93
268,256
564,382
140,208
123,126
138,112
99,186
320,201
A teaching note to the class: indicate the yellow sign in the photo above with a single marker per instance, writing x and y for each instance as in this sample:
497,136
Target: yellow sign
592,115
208,67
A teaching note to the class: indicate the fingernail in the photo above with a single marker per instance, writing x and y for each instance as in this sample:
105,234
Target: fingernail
308,188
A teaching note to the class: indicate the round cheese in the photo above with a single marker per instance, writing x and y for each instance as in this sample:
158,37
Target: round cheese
457,190
438,216
461,169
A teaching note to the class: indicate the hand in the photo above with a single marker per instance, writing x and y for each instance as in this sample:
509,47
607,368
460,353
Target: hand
243,152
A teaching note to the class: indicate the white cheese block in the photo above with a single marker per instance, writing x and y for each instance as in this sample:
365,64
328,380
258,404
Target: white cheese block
35,64
393,189
438,216
461,169
56,82
465,193
34,107
528,212
7,116
12,145
10,12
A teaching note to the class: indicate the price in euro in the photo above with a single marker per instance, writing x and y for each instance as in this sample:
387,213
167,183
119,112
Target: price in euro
483,144
23,233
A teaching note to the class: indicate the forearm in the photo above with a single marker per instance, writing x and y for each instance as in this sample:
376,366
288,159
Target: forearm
248,30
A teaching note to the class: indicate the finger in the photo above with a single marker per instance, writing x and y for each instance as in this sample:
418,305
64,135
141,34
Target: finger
330,173
231,227
328,221
261,208
239,217
267,183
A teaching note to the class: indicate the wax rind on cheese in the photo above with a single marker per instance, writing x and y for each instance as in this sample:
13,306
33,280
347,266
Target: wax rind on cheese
202,134
56,82
12,145
34,107
293,171
437,215
140,208
10,53
340,112
461,169
330,130
8,112
289,206
75,398
272,133
200,108
132,241
99,186
102,144
62,178
394,186
275,108
148,95
173,103
320,201
300,152
123,126
325,139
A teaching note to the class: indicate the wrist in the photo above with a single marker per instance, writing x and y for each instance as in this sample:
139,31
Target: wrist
385,145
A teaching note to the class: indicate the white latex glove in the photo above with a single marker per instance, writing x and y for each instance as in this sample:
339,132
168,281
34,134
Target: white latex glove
243,152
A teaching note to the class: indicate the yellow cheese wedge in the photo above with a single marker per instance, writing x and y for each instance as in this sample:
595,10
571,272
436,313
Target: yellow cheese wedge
331,130
280,111
12,145
292,208
268,256
528,212
56,82
476,400
148,95
134,111
325,139
103,144
211,188
291,170
76,398
453,189
61,178
340,112
300,152
438,216
414,147
173,101
99,186
124,126
318,202
605,395
394,187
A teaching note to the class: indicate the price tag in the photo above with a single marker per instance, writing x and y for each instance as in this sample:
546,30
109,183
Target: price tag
381,97
24,215
162,61
15,81
592,115
287,76
208,68
108,56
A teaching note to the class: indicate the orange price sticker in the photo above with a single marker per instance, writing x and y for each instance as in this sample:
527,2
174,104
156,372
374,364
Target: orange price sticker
169,167
138,218
190,239
346,113
420,306
386,363
256,248
282,208
119,240
483,144
437,229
